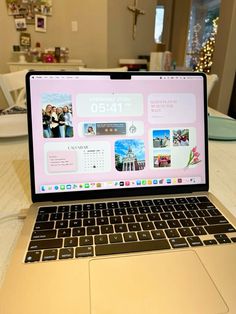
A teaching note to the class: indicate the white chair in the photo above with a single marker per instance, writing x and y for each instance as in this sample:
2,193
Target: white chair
13,87
120,69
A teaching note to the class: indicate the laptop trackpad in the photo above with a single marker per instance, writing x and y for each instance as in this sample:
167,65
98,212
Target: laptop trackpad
153,283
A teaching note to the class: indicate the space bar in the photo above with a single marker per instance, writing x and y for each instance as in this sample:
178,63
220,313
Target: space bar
118,248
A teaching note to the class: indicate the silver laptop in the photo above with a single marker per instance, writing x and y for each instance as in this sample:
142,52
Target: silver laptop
121,221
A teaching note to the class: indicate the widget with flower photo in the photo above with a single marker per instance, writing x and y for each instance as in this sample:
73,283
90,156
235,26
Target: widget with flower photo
181,137
193,157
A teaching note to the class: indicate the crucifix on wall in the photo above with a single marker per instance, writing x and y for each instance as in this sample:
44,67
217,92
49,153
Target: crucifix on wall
136,12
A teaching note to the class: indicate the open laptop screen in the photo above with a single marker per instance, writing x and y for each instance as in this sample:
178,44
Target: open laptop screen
128,133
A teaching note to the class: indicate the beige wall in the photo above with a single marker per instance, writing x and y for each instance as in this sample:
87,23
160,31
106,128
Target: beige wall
120,21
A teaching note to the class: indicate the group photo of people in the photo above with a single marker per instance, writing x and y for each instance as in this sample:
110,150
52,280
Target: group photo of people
57,121
57,115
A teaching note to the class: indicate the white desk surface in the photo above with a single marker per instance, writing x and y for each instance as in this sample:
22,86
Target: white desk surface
15,186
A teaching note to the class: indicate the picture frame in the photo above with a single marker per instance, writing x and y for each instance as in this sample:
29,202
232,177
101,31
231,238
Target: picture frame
25,40
40,23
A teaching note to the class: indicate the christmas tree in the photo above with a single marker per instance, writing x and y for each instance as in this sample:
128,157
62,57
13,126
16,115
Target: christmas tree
206,53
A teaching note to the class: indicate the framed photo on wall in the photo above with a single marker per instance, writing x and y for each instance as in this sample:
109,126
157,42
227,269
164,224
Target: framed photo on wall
40,23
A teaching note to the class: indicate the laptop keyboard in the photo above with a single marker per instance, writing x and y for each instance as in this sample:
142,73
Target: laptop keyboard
95,229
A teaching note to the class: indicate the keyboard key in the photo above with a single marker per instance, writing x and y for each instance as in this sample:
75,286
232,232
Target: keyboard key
112,205
49,255
192,200
45,244
66,253
69,215
144,210
186,223
61,224
76,208
144,235
233,239
82,214
205,205
124,204
89,222
198,230
159,202
76,232
120,211
101,239
115,220
115,238
92,230
147,225
75,223
179,215
87,240
43,234
100,205
172,233
63,208
107,229
173,223
130,236
56,216
191,206
47,210
85,251
185,232
209,242
88,206
121,228
203,213
168,208
180,207
214,212
170,201
154,217
42,217
135,203
156,209
102,221
216,220
194,241
223,228
181,200
33,256
199,221
158,234
160,224
203,199
141,217
222,238
132,211
166,216
107,212
44,225
129,247
178,243
128,219
62,233
71,242
95,213
147,202
134,226
191,214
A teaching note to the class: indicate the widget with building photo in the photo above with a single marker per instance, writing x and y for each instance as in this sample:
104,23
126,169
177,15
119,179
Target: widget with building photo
129,155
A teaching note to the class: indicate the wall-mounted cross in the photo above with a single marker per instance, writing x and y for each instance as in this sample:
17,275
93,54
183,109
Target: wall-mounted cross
134,9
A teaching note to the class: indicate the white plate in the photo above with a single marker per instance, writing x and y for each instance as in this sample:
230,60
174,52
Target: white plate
13,125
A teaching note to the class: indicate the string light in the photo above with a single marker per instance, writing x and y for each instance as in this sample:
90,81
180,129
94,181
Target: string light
205,62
